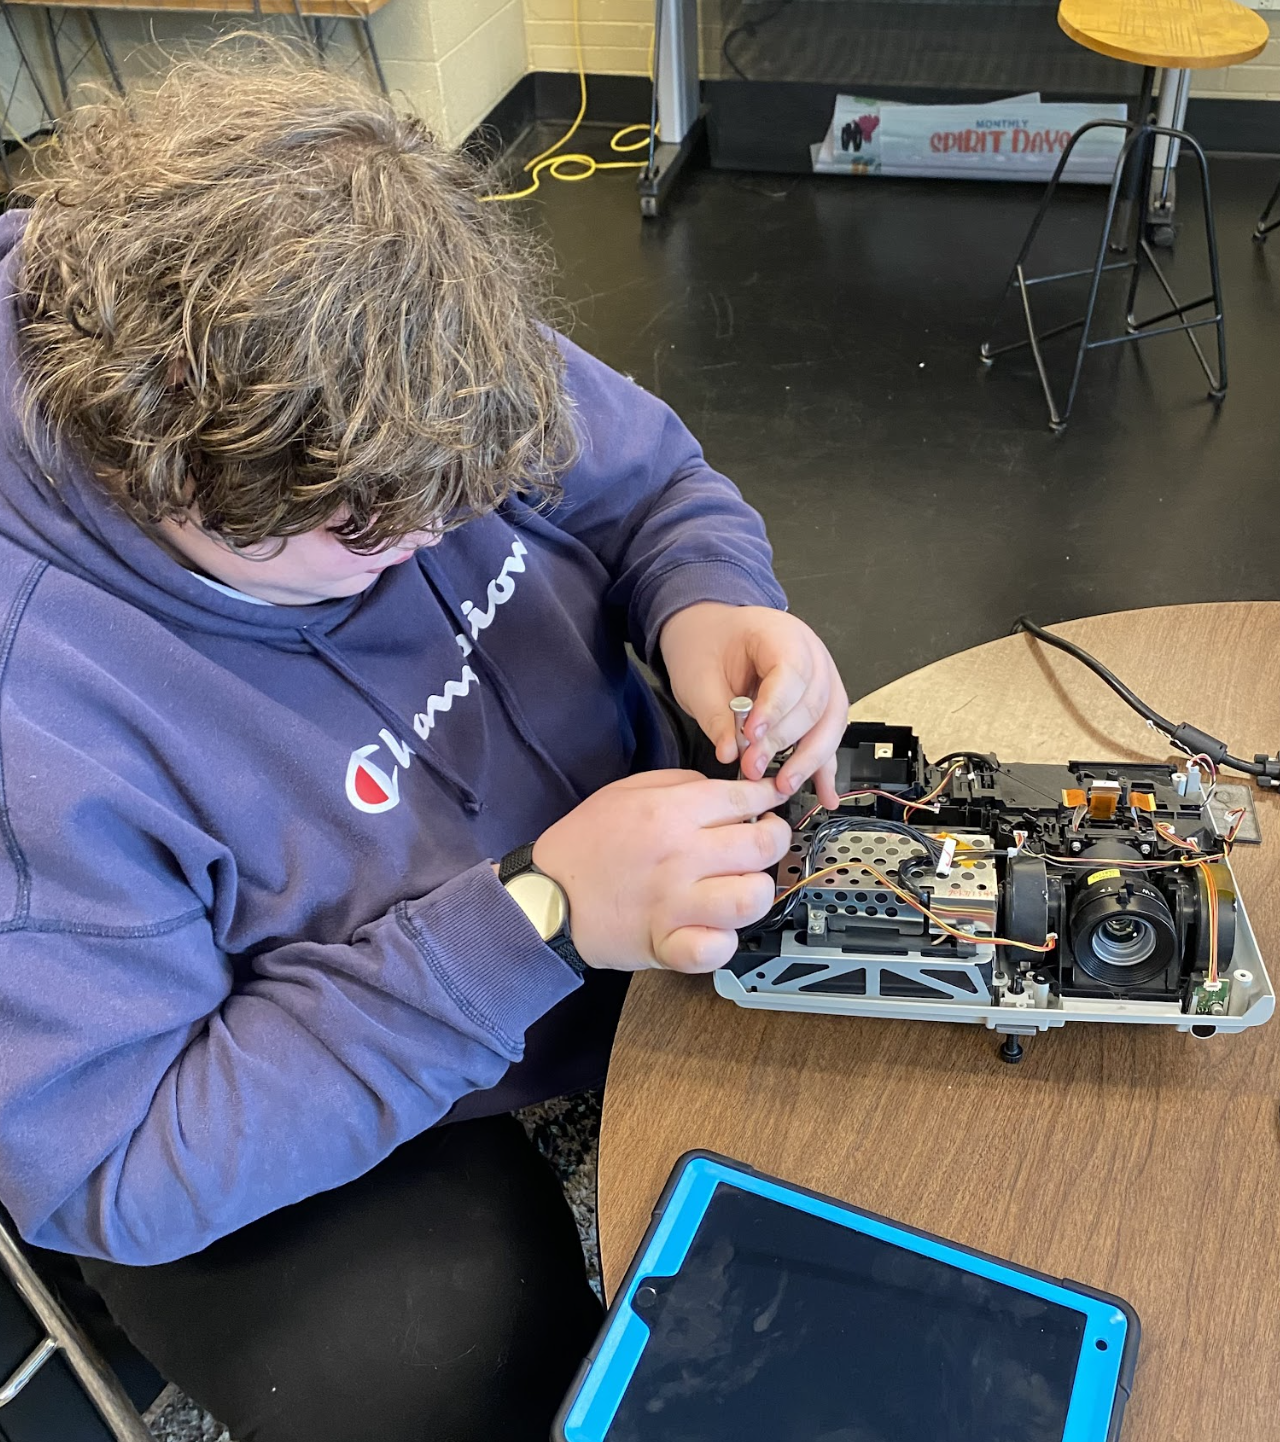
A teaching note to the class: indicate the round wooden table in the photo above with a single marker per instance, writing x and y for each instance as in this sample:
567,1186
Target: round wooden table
1136,1159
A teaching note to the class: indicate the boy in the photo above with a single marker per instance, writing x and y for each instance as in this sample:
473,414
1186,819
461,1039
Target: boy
318,558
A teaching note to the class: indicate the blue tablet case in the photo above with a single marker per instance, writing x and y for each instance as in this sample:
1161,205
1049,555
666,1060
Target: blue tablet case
1110,1330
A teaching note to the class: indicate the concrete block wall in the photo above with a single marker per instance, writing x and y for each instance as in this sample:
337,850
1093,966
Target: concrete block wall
1259,79
617,35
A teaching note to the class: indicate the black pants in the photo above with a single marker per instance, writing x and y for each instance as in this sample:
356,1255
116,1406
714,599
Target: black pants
442,1297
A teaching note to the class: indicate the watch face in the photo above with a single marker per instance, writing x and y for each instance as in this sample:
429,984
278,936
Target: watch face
542,902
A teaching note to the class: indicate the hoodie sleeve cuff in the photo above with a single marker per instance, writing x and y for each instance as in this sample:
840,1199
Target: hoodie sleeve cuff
692,582
484,951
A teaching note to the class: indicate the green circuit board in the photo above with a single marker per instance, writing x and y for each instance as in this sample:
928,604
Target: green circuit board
1211,998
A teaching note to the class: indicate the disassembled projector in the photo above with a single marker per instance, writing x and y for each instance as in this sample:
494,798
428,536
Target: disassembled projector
1017,896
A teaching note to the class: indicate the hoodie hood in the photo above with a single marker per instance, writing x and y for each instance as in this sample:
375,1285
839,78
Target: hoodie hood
69,520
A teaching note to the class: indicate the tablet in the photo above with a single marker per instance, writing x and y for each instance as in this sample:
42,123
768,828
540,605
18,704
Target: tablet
756,1311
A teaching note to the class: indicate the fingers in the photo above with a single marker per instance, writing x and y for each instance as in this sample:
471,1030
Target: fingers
711,912
721,803
736,850
725,740
718,725
818,746
729,902
697,949
807,690
784,686
824,785
673,776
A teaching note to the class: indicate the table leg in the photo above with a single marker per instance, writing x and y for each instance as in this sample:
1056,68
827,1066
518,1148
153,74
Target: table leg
1175,88
676,99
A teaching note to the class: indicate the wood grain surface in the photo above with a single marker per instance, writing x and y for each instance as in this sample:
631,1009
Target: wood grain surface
1136,1159
1169,34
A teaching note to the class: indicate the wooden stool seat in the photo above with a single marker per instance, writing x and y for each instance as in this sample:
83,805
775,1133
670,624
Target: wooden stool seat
1166,34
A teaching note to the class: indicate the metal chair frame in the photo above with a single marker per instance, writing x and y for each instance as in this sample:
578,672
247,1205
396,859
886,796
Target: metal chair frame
1138,150
315,31
62,1335
1265,224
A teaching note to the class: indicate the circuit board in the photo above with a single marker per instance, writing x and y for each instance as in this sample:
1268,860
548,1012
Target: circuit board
1211,998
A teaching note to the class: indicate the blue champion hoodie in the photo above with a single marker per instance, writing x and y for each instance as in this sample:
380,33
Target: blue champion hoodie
250,937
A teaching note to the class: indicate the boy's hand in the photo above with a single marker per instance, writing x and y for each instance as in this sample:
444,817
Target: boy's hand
662,868
714,652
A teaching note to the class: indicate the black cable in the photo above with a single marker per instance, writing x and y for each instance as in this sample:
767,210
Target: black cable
841,825
980,758
1189,738
779,913
728,59
751,28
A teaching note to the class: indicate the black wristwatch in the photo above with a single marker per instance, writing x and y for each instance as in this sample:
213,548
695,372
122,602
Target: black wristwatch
543,901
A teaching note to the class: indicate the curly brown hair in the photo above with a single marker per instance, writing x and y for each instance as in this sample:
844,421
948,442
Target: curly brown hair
260,290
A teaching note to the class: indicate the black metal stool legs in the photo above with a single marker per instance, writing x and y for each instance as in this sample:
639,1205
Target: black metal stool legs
1137,155
1140,329
1058,416
1265,225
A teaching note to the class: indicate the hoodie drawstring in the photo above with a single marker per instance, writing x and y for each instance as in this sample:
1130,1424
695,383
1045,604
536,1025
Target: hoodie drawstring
490,672
334,659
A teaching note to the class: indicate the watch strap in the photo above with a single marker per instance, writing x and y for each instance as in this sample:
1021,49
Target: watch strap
515,863
568,953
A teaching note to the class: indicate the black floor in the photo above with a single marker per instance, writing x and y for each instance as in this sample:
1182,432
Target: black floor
820,336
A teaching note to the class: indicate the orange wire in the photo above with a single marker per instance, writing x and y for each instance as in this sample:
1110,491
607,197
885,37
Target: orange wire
1212,887
1170,834
850,796
1049,943
907,806
937,791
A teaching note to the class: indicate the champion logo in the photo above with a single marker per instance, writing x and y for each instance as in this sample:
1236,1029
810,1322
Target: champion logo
370,787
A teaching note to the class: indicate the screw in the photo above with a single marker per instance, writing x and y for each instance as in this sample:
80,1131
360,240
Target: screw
741,706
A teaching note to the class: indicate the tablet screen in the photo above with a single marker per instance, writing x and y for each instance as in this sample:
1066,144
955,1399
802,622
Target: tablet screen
786,1327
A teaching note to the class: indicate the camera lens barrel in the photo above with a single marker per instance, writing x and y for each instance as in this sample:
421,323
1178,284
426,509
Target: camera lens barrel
1121,930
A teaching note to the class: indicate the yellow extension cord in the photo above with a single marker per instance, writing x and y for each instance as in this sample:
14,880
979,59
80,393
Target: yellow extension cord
553,160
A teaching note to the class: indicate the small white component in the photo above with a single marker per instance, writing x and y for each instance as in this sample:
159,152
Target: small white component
947,859
1024,999
1188,782
1038,991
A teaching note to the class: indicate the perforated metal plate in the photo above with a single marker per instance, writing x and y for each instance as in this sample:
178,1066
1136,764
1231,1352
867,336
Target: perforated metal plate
853,892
